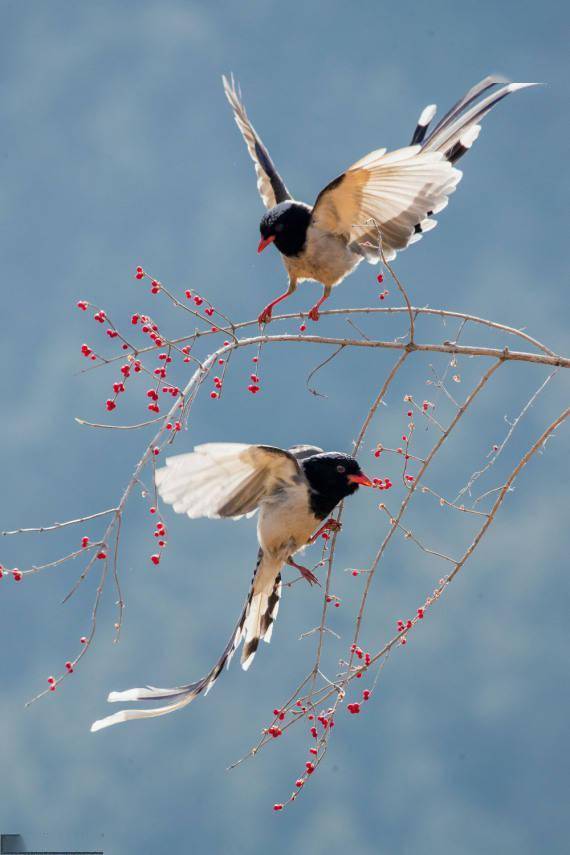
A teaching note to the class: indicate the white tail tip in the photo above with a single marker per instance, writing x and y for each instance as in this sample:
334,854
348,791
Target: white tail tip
427,115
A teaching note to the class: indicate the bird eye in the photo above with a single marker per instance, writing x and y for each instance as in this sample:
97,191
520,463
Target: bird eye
279,227
341,469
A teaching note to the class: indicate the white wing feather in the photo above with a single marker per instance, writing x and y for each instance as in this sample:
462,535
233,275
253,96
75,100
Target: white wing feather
223,479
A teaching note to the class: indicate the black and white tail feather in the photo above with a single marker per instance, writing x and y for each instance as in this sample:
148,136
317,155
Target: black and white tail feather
222,480
254,625
457,130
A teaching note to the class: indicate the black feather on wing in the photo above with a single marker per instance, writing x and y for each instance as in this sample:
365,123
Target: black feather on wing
271,186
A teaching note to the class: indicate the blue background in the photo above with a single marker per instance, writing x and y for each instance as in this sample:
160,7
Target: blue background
117,148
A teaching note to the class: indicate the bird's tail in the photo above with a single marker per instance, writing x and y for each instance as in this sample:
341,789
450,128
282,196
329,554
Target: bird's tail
455,132
255,624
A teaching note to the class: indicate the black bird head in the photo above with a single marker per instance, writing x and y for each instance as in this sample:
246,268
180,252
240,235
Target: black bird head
286,224
332,476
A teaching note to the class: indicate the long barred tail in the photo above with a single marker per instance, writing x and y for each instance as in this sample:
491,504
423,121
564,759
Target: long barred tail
255,624
456,132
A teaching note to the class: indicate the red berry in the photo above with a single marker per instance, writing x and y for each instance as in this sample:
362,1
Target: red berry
82,304
380,278
101,555
214,395
366,694
278,807
303,327
155,559
299,782
17,574
84,541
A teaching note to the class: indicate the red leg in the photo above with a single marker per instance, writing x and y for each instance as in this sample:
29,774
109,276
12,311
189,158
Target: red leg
265,316
304,571
329,525
314,313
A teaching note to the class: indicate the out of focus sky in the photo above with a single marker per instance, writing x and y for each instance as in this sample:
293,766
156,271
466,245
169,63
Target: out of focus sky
117,148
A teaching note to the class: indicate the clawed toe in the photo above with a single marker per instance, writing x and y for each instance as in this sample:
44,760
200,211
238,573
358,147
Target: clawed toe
309,576
265,317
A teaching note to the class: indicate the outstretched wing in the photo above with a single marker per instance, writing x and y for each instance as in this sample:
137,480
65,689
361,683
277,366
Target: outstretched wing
224,479
384,196
389,198
269,183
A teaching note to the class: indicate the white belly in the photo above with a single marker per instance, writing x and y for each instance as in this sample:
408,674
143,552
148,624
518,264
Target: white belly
326,259
286,523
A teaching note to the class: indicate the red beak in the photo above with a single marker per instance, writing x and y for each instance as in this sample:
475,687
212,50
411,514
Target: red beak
360,479
265,242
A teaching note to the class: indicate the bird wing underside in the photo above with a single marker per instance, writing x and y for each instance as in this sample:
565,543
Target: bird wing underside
224,479
269,183
383,197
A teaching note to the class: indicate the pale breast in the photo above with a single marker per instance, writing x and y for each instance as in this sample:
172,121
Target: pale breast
286,522
326,258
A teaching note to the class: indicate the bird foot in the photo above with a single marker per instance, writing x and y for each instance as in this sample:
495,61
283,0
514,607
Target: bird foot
265,316
329,525
305,572
314,313
308,575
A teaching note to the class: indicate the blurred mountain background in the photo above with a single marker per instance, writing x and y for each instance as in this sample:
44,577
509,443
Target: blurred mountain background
117,148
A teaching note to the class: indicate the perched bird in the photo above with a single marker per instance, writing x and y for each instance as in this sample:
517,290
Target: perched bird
294,491
382,203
